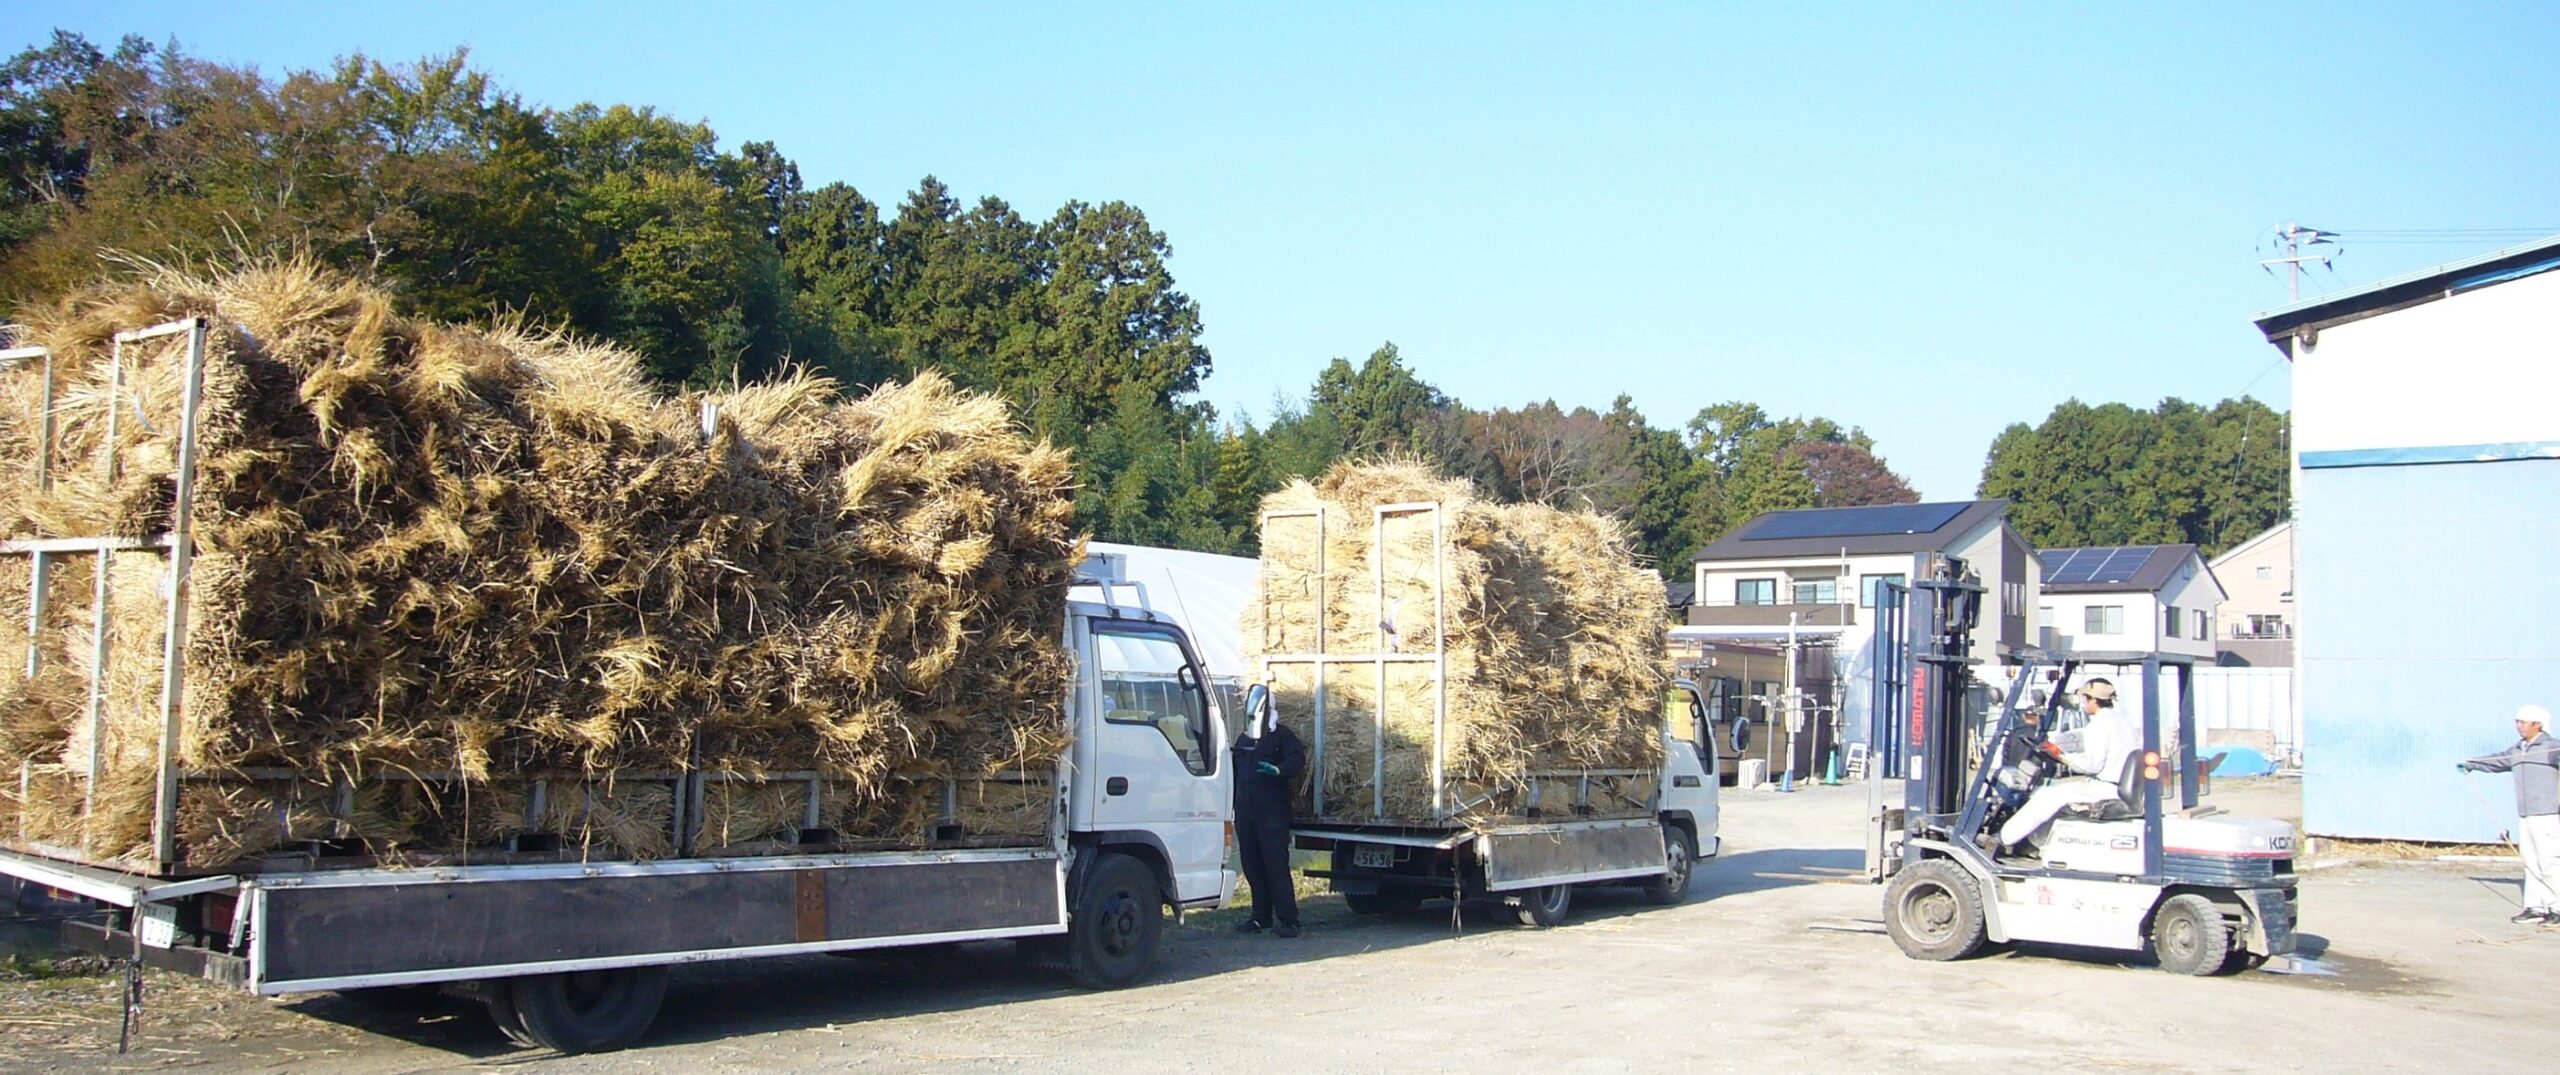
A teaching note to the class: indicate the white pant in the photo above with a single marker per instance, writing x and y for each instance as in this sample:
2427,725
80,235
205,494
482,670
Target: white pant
2538,840
2050,800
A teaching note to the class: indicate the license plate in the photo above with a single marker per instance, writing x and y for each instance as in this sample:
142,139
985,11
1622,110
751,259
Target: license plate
1373,858
159,925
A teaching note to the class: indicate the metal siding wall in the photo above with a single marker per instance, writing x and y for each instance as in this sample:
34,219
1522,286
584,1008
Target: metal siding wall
2427,595
2247,700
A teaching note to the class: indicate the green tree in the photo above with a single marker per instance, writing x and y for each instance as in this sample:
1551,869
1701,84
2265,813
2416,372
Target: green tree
2114,475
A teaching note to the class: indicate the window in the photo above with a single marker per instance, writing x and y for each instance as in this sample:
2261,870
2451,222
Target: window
1870,585
2266,572
1147,680
1755,591
2105,620
2044,615
2262,626
1821,591
2202,628
2175,628
2013,598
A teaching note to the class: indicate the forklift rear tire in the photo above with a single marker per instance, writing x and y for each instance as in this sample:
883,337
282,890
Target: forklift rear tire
1933,911
2188,935
1544,907
1111,938
588,1011
1387,903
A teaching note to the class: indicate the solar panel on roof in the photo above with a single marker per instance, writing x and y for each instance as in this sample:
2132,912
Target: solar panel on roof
1853,522
2101,565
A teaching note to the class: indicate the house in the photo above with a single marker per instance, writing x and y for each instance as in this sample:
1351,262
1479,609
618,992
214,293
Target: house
1820,567
2256,628
2137,598
2427,494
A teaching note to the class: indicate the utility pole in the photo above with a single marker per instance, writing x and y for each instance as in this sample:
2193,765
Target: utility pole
2297,240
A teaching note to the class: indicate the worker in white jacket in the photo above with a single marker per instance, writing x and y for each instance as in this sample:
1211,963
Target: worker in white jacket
2535,759
2095,756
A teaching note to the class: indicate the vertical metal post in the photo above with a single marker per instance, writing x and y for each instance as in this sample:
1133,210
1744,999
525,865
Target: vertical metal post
2151,864
40,563
1439,656
98,610
173,640
1378,705
2187,775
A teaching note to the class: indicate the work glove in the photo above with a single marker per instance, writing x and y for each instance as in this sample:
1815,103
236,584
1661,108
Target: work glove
1266,768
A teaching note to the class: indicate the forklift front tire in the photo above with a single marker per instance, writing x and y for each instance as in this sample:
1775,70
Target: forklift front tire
1933,911
2188,935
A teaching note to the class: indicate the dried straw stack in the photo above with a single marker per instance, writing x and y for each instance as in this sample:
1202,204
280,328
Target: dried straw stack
469,558
1555,643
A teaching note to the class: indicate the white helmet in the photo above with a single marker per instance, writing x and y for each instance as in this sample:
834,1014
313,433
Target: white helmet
2533,714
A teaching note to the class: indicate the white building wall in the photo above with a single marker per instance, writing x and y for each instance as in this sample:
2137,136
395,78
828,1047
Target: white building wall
2460,370
2257,579
2193,593
2070,619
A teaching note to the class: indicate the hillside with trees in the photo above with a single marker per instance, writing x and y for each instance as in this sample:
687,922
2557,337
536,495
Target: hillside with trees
2114,475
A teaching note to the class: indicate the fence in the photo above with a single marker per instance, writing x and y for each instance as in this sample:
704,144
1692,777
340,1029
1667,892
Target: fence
2236,705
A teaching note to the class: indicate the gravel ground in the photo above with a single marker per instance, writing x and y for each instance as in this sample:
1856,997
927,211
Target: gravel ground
1779,957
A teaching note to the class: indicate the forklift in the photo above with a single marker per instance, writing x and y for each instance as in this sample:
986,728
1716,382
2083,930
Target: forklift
2200,891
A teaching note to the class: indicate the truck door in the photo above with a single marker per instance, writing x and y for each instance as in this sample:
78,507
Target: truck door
1154,755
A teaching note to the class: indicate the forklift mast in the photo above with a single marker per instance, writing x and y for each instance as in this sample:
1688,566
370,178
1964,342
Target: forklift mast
1948,604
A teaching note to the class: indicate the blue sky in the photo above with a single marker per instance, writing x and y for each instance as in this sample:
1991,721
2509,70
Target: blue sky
1926,221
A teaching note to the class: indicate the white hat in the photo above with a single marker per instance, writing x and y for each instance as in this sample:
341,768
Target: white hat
2533,714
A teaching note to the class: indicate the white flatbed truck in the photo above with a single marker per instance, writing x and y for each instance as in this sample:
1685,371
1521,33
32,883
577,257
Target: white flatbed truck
574,955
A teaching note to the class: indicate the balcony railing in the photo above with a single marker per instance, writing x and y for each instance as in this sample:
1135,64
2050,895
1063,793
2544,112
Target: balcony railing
1728,614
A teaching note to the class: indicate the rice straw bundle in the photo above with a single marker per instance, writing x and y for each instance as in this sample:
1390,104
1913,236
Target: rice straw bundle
1554,642
478,557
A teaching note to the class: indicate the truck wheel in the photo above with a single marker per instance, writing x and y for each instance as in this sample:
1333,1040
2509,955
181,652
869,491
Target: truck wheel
502,1012
1111,940
588,1011
1672,884
1385,903
1545,907
2188,935
1934,912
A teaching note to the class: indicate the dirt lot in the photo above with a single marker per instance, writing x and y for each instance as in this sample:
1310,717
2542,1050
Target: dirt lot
1778,958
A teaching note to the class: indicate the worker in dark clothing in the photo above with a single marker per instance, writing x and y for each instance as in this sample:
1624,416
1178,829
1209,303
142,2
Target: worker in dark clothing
1268,761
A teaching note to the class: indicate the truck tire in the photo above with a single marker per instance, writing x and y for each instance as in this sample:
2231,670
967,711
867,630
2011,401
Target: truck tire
1389,902
588,1011
1934,911
502,1013
1111,940
2188,935
1678,862
1545,907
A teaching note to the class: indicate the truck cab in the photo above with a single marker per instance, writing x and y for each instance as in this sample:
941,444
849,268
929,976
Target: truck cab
1148,769
1689,765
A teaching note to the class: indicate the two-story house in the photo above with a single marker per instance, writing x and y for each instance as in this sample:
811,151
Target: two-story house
2137,598
2256,625
1821,567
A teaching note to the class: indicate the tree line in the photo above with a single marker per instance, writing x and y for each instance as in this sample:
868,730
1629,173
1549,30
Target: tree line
722,265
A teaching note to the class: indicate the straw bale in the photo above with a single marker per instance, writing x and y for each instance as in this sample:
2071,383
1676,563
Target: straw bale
499,554
1554,644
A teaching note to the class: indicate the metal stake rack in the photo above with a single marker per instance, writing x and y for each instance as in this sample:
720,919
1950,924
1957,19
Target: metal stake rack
178,544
